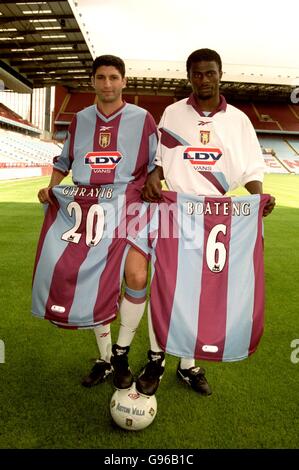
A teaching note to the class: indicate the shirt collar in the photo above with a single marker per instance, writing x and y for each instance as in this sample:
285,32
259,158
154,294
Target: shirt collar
193,102
112,114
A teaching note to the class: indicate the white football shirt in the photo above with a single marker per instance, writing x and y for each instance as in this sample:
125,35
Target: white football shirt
212,154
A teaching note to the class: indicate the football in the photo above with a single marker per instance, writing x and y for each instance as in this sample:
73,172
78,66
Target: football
132,411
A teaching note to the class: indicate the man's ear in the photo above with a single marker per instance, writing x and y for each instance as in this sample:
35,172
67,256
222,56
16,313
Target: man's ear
124,82
92,81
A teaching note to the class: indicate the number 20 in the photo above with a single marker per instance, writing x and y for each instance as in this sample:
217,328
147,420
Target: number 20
95,211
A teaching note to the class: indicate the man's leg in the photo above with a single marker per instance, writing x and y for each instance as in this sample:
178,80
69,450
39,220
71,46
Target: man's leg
102,368
131,311
193,375
151,375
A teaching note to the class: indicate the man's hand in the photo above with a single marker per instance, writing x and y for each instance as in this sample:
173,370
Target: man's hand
152,189
256,187
269,206
44,196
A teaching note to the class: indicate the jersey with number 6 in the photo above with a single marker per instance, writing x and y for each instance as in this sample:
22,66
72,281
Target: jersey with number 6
207,286
80,256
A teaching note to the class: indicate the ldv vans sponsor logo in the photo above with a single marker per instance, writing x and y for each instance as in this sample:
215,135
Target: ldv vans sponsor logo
202,156
102,160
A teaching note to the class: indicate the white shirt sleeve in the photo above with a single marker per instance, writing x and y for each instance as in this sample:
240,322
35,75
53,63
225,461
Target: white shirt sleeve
159,157
255,165
62,163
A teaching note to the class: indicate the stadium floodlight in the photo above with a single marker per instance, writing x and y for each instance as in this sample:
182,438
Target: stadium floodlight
43,21
12,39
23,50
55,36
36,12
30,58
40,28
61,48
68,57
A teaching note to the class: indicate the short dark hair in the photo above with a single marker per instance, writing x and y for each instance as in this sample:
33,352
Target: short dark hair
207,55
107,60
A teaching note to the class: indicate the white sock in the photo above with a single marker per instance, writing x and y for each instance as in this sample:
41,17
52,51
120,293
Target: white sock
103,337
130,316
152,337
186,363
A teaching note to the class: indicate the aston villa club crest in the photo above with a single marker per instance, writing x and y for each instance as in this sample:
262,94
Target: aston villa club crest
104,139
205,137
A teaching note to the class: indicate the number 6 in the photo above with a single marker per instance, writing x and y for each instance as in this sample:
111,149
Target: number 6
216,263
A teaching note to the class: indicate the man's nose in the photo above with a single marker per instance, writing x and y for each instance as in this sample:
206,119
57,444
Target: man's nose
107,82
205,78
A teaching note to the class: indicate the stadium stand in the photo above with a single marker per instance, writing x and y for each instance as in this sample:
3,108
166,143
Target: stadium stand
276,143
27,150
69,104
22,155
294,143
74,102
9,117
258,122
275,123
264,117
273,165
9,114
282,115
281,153
155,104
277,126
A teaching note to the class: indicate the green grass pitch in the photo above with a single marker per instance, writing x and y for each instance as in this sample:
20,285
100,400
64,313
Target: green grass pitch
42,404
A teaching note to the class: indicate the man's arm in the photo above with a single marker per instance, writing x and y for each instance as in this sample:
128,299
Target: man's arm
256,187
152,189
43,194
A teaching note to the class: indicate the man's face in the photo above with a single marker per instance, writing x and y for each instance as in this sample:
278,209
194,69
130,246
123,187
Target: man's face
205,78
108,84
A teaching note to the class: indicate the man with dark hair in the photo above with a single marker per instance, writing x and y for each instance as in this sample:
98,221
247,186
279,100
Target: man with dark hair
206,147
109,61
111,127
203,55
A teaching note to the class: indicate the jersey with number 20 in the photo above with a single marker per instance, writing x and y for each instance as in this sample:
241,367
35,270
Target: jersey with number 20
81,253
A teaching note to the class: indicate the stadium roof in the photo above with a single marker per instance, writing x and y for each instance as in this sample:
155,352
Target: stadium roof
54,42
257,44
42,44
